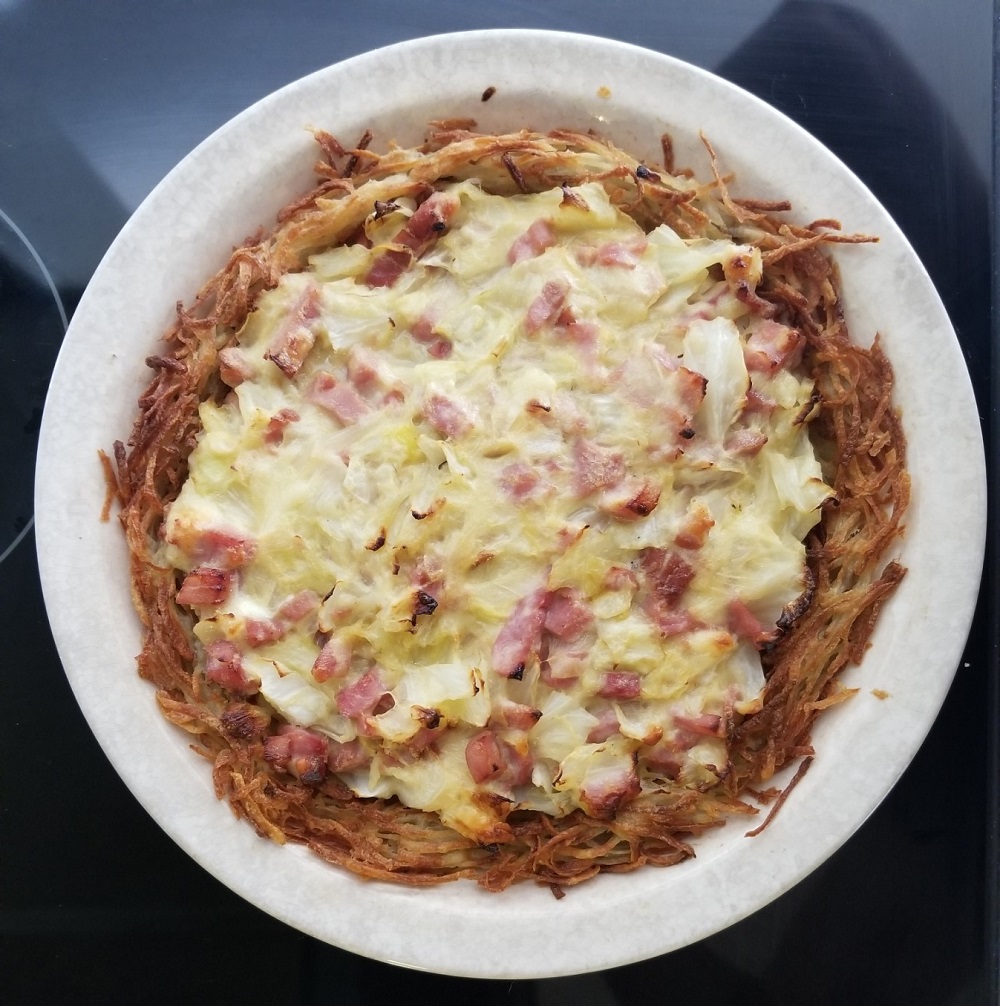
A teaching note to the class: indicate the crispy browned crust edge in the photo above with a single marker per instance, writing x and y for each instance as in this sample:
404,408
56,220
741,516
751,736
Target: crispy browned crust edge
854,424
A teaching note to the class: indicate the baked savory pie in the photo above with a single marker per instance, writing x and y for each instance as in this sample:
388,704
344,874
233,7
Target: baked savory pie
510,510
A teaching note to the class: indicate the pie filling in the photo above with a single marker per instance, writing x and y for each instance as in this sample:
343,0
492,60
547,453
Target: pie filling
505,501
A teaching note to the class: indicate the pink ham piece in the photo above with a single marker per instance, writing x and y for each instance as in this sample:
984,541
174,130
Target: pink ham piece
362,696
339,398
292,610
621,254
234,367
515,714
700,724
421,741
482,755
743,624
666,759
562,668
345,757
546,307
489,757
595,467
448,417
293,340
427,224
363,368
583,333
567,614
206,586
744,443
520,636
518,480
299,752
758,404
260,631
603,792
423,331
519,764
671,622
620,685
333,661
689,388
274,434
694,529
224,666
607,725
771,346
539,236
219,547
667,575
631,500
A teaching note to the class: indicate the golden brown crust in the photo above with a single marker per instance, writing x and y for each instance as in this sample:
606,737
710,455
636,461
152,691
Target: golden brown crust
857,430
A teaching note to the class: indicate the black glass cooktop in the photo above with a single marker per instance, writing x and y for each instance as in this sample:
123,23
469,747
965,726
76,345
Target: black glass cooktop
97,102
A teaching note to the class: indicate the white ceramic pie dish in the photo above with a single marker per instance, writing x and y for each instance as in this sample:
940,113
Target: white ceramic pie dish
234,183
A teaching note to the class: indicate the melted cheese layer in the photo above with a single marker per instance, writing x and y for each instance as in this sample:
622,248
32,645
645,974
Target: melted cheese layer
503,404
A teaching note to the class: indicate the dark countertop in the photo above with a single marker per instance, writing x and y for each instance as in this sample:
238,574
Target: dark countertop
97,103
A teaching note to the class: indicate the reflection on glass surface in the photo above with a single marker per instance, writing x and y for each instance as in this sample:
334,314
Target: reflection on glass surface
32,325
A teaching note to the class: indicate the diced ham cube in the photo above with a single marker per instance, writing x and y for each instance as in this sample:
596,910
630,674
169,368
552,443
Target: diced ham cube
489,757
667,574
744,624
603,792
693,531
539,236
607,725
567,613
518,480
448,417
345,757
546,307
515,714
339,398
771,346
620,685
260,631
744,443
595,467
295,338
234,367
666,759
700,724
482,755
562,668
632,499
670,622
333,661
221,548
224,666
298,751
269,630
520,636
363,368
439,346
206,586
362,696
621,254
274,434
